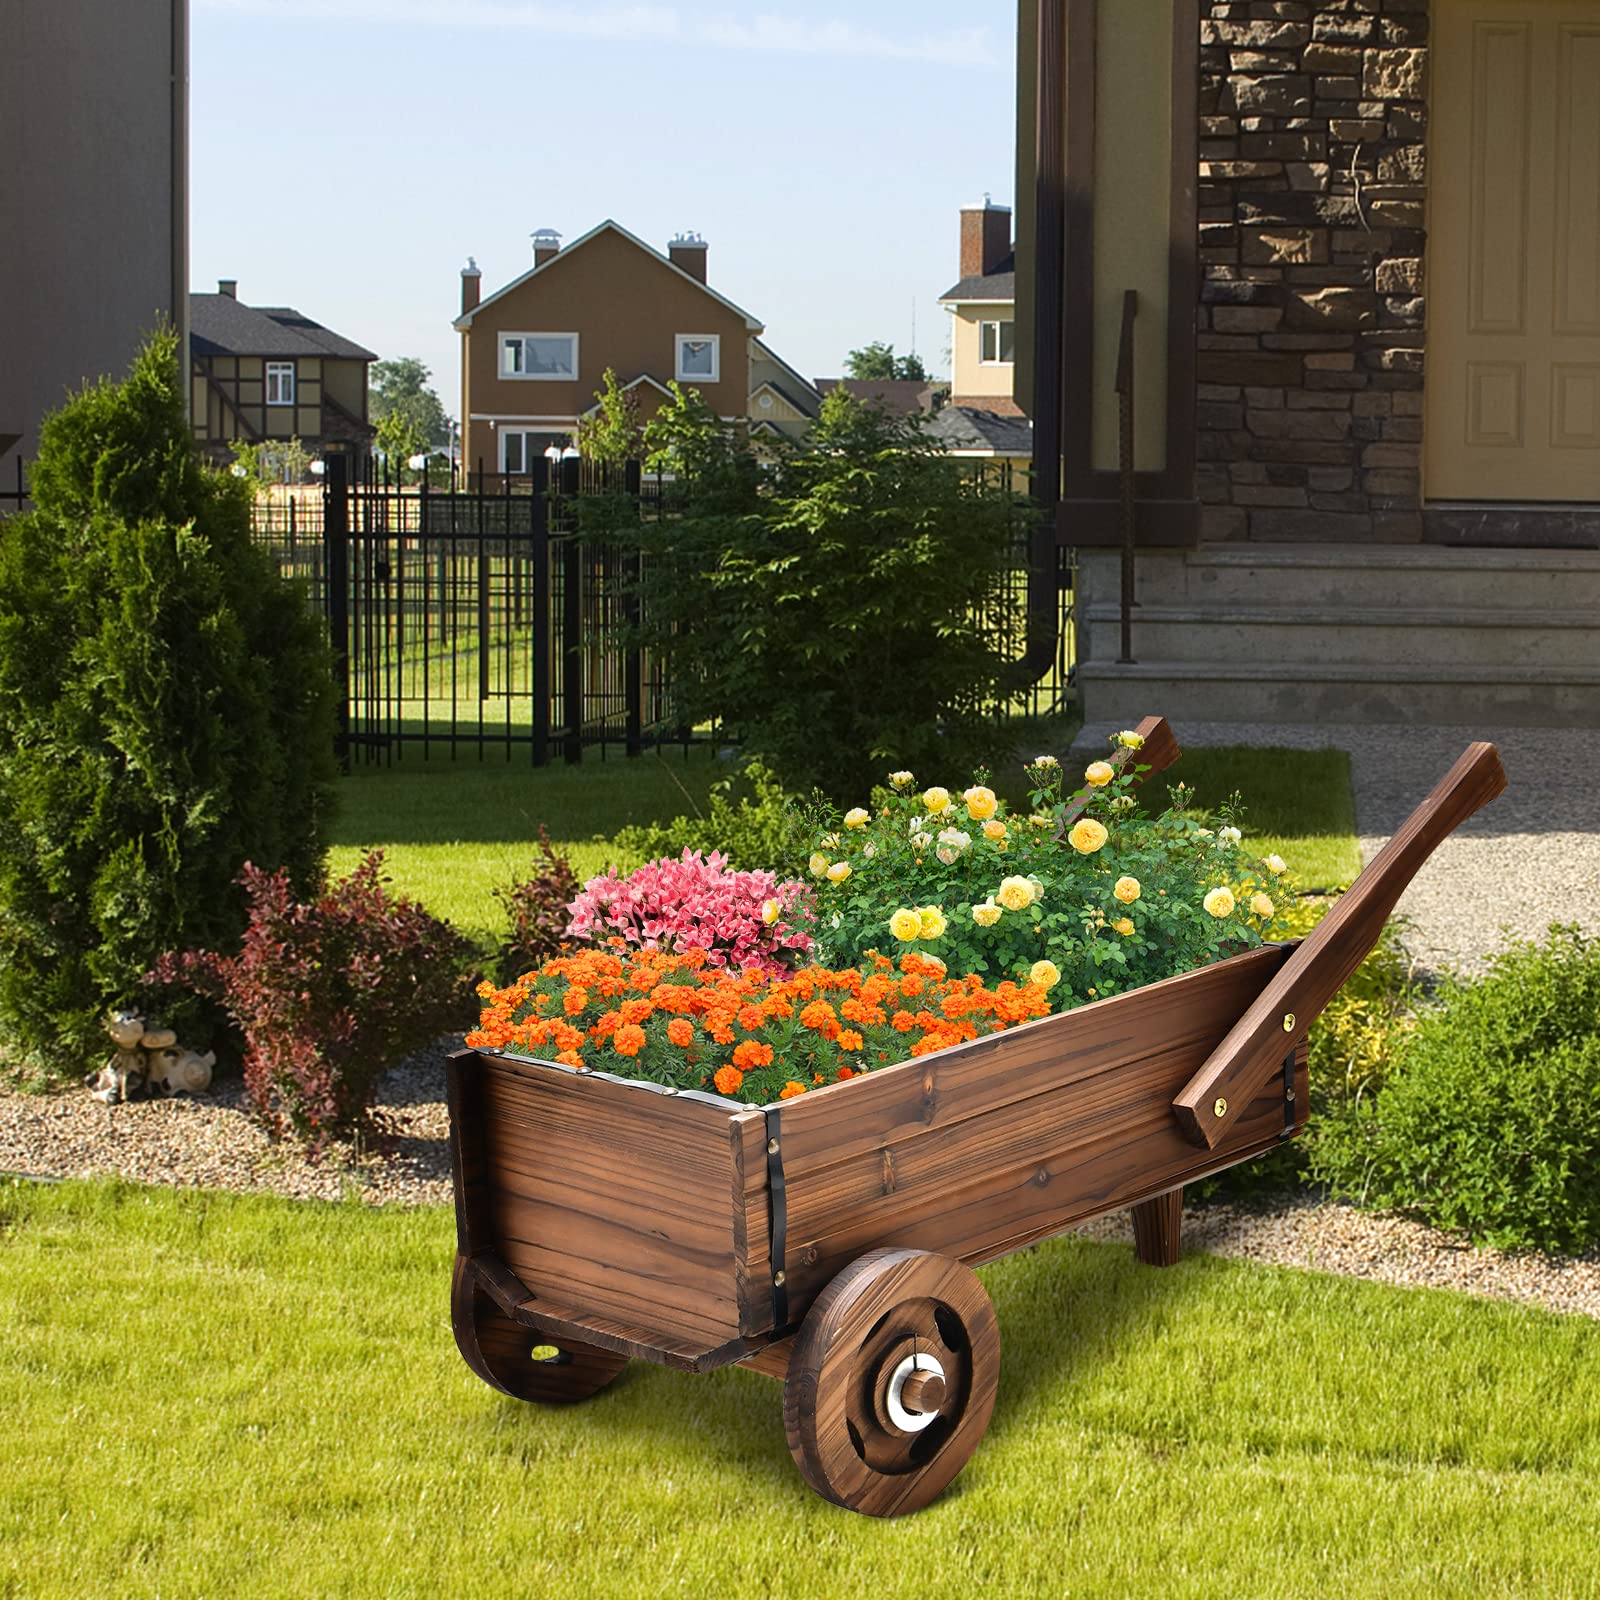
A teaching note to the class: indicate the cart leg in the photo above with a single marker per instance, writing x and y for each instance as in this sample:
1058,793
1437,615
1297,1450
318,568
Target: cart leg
1158,1229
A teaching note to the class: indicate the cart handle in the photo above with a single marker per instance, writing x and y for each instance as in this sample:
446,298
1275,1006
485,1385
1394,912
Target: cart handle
1157,753
1254,1048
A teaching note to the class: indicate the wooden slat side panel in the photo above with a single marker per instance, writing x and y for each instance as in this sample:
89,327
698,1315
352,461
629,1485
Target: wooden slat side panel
612,1202
866,1115
471,1184
752,1223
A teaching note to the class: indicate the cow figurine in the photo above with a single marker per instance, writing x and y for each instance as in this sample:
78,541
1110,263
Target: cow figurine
173,1071
123,1076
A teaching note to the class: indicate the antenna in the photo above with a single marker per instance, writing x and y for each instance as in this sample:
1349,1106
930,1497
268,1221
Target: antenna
913,324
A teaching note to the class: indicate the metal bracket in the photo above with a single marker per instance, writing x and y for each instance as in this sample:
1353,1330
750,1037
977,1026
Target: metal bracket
1288,1097
778,1218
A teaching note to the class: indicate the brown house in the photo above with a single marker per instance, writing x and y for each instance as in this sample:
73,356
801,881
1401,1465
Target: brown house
1363,243
534,353
268,372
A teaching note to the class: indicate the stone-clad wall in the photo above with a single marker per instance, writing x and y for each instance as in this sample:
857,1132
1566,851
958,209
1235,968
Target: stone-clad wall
1311,209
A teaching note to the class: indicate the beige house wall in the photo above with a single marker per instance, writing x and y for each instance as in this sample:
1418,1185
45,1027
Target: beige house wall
971,377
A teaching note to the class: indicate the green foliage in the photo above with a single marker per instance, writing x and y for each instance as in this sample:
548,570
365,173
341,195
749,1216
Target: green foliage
400,388
827,606
686,437
877,362
1488,1121
270,461
612,435
399,438
165,712
749,817
537,909
1116,901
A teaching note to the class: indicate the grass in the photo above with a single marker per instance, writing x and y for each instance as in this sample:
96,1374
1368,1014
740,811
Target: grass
454,831
226,1395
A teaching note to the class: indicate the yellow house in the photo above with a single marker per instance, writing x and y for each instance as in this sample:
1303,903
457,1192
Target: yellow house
983,308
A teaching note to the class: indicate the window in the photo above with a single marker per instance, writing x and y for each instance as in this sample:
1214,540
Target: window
699,358
539,356
997,343
280,383
513,451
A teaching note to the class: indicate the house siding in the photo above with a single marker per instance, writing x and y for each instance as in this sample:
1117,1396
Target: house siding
1312,238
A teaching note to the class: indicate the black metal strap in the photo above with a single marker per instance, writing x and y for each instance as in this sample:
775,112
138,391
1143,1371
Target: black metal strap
778,1216
1288,1096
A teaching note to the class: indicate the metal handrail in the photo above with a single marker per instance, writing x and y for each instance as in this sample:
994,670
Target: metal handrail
1125,469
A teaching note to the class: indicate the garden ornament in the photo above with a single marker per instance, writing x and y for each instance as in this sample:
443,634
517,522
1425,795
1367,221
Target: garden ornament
147,1059
174,1071
122,1077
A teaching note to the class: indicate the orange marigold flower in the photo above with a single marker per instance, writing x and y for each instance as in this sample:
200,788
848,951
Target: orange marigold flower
636,1011
817,1015
846,1072
911,986
629,1040
574,1000
751,1017
722,1035
681,1032
902,1022
728,1079
791,1089
849,1039
570,1058
752,1054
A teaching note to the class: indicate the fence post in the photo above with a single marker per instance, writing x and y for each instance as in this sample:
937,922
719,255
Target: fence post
633,665
572,645
542,686
336,566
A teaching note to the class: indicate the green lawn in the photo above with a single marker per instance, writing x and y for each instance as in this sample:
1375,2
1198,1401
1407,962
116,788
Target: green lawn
453,831
204,1394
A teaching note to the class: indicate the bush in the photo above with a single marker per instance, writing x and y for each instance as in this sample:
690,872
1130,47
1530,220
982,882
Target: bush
329,994
1488,1122
166,713
740,919
827,606
539,911
757,830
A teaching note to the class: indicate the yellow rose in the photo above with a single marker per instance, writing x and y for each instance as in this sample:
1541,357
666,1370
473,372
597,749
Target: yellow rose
1129,740
981,803
1099,773
1262,905
1126,890
838,872
1044,973
857,817
905,924
986,915
819,864
1220,901
932,921
936,799
769,912
1015,894
994,829
1124,926
1276,864
1046,762
1039,820
901,780
1087,836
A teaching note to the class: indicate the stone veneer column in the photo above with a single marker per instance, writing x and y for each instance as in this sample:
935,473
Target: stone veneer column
1311,210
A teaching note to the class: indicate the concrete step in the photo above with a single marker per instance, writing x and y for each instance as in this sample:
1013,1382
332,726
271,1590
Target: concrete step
1352,576
1394,635
1263,690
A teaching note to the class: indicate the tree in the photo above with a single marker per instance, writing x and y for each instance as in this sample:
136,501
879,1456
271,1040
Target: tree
877,363
612,435
166,713
401,387
399,437
685,436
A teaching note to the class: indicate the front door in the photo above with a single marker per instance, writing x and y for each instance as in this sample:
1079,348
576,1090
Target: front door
1513,365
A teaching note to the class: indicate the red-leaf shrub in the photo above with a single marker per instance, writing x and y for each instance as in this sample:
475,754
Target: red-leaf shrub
328,995
538,910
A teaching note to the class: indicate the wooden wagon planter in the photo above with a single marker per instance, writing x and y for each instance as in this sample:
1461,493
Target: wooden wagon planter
829,1240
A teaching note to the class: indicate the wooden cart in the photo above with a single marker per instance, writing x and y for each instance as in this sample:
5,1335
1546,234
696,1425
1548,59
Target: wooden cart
829,1240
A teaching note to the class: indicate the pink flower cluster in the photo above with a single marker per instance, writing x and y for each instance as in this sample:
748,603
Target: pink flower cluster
696,904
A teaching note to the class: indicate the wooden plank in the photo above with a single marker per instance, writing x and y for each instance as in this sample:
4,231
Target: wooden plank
867,1114
462,1076
1286,1007
613,1205
1158,1229
752,1223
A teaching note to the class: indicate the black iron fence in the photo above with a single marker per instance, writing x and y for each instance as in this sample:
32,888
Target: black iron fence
14,489
474,620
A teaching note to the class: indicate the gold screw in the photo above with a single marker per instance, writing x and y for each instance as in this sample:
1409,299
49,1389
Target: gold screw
1288,1022
772,1147
1220,1106
777,1279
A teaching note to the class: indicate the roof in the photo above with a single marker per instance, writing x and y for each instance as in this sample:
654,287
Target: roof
967,430
900,397
997,286
219,325
803,400
464,321
804,396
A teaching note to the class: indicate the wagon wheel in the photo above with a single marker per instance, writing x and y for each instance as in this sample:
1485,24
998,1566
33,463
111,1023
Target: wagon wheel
892,1381
502,1351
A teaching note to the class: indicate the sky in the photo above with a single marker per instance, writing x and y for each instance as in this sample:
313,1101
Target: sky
348,155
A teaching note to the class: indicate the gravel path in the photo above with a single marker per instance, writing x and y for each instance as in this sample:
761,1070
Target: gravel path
1544,831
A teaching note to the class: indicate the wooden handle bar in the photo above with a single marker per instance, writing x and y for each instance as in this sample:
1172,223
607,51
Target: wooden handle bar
1254,1048
1158,752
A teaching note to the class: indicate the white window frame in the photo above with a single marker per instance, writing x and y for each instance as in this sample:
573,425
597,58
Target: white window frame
279,371
507,338
997,360
522,435
714,340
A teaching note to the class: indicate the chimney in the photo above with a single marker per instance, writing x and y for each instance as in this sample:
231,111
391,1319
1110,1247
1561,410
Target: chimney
688,253
985,238
471,286
229,287
546,246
